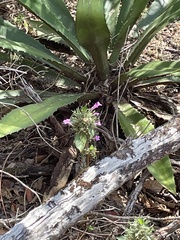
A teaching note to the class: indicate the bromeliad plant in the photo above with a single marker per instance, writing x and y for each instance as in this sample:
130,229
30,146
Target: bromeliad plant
98,37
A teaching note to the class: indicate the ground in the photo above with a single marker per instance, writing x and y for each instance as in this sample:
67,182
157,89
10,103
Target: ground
28,158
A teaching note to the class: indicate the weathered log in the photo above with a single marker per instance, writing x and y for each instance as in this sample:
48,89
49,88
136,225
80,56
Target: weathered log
49,221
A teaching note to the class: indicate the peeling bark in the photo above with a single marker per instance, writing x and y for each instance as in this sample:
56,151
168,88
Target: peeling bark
50,220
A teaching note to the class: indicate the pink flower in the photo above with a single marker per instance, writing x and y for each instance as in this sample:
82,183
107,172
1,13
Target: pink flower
97,138
67,121
96,114
98,123
96,105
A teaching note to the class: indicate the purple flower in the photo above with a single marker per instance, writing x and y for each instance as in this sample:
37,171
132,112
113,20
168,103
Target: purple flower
67,121
98,123
96,105
97,138
96,114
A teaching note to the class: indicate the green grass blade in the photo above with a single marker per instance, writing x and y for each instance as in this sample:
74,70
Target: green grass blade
56,15
129,14
135,124
170,13
26,116
93,33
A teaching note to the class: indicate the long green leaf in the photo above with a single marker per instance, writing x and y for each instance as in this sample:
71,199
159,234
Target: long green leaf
16,40
162,171
134,124
56,15
156,72
47,75
111,9
129,14
170,13
18,96
26,116
155,9
154,81
93,33
44,31
12,96
154,69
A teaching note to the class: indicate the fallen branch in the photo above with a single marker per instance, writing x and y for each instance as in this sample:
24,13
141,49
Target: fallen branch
50,220
162,233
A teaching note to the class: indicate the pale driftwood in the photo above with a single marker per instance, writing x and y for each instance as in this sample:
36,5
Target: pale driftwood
49,221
